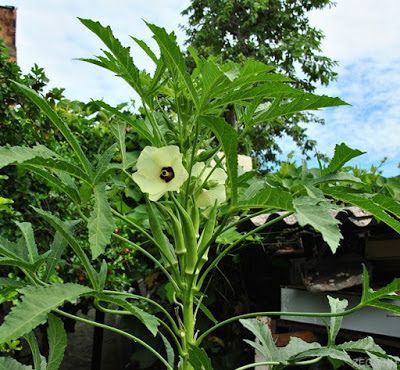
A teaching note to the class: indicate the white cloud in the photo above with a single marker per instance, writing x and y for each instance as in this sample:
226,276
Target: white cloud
356,28
49,34
363,35
371,123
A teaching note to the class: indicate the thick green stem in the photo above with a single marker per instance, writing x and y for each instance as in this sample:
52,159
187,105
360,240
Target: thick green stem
189,322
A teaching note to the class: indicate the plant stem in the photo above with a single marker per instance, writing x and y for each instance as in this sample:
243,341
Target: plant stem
276,313
118,331
150,256
251,366
148,300
134,224
128,313
215,262
189,328
301,363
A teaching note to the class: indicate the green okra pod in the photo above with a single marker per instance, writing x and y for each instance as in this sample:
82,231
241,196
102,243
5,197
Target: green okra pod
195,215
176,228
189,236
207,235
159,236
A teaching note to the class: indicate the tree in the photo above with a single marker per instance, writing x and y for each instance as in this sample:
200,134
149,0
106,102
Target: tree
275,32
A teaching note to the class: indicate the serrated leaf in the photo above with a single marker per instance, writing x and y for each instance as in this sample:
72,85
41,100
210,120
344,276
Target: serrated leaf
59,185
11,282
373,298
337,306
58,225
336,177
146,49
141,129
102,276
150,321
342,155
36,303
387,204
104,164
214,81
56,120
333,353
227,137
364,344
101,222
314,212
59,165
56,250
30,243
12,250
385,306
381,363
32,267
294,347
249,92
39,362
119,132
173,58
20,154
265,344
8,363
365,203
269,198
57,342
198,359
118,60
228,236
207,312
306,101
263,334
169,350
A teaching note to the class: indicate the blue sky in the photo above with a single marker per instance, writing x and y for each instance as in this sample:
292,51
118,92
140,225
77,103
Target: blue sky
362,35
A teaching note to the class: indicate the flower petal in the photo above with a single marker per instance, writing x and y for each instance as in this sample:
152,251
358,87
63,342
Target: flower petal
150,186
181,175
146,164
208,198
219,176
245,164
197,169
149,165
166,156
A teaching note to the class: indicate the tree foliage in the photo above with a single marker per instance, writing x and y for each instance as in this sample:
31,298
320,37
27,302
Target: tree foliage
276,32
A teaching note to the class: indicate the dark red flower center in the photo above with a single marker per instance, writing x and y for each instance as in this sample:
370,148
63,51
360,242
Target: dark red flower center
167,174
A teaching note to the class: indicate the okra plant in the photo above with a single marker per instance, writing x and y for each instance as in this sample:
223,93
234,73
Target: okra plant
196,187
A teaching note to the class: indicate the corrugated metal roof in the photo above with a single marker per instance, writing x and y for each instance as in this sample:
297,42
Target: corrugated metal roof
355,215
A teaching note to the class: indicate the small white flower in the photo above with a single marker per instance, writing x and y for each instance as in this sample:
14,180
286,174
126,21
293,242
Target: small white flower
214,182
208,197
160,170
245,164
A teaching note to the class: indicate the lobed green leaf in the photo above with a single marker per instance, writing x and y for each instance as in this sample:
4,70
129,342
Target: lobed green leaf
101,222
36,303
315,212
342,155
227,136
57,342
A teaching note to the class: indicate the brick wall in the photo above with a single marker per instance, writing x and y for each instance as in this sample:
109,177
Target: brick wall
8,17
